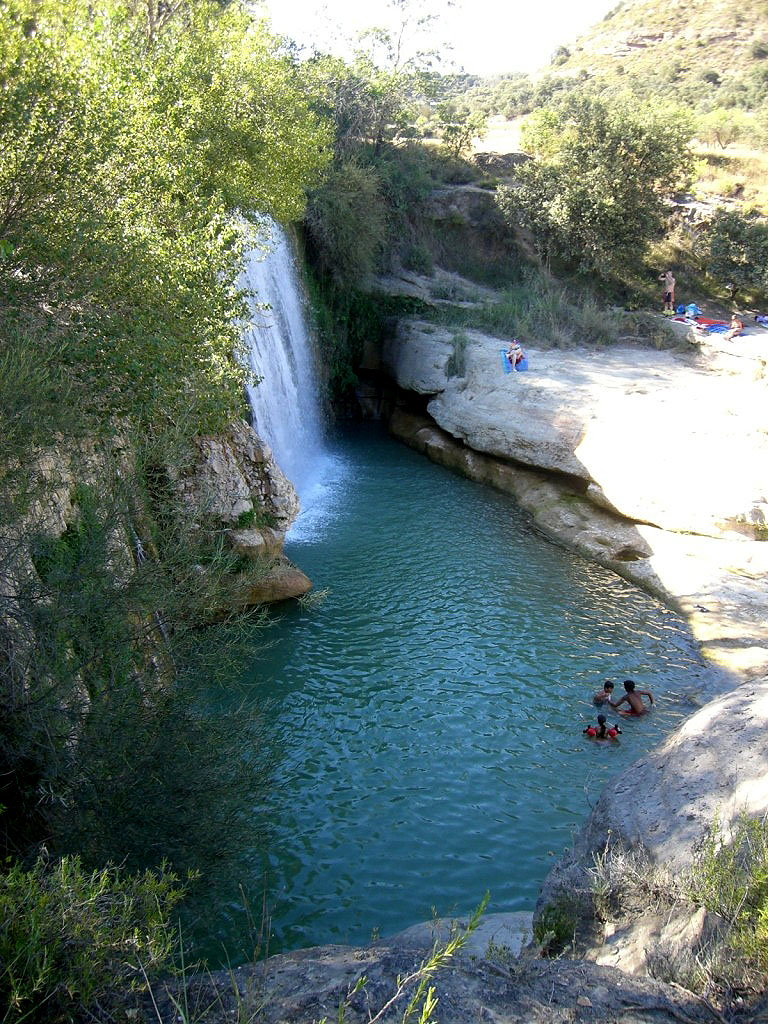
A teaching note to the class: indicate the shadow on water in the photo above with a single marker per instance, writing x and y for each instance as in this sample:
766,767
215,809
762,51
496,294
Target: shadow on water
424,722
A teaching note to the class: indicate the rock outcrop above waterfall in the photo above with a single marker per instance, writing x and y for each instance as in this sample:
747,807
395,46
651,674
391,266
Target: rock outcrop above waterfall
236,477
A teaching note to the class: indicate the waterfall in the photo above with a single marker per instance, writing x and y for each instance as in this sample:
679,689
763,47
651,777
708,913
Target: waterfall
287,414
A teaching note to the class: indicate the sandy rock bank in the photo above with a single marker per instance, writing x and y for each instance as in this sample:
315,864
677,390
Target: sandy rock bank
674,439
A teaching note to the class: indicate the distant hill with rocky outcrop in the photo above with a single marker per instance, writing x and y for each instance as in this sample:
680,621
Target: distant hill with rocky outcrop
705,46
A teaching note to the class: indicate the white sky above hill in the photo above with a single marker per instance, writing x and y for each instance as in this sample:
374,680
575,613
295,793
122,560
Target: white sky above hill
485,36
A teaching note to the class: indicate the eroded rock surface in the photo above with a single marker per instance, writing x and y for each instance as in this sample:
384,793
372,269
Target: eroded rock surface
714,766
236,475
676,440
309,985
238,484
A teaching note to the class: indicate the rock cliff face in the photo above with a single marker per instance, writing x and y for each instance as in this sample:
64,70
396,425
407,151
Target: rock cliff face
236,475
237,483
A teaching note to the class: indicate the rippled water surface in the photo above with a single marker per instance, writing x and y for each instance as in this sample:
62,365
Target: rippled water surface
427,715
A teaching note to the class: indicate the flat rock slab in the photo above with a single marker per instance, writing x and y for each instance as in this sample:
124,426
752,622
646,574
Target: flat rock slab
308,986
508,932
674,439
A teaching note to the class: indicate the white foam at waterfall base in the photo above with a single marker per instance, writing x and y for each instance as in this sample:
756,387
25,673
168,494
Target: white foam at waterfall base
323,502
287,412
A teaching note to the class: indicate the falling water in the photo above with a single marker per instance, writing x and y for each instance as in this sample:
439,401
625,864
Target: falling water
286,406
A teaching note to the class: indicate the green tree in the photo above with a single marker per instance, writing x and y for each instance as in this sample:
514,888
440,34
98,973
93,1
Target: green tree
722,127
459,127
595,192
738,252
128,142
139,145
346,218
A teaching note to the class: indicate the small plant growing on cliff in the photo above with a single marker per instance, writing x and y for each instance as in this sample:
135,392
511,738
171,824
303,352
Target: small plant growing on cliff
69,937
730,877
256,517
457,361
555,926
423,1001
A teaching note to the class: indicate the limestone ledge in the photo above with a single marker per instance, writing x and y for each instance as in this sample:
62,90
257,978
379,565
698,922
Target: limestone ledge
234,483
485,982
675,439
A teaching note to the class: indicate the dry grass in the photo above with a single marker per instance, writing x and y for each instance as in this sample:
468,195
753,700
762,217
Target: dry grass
502,136
737,172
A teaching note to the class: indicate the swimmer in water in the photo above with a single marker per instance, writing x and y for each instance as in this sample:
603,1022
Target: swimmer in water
601,731
634,698
605,694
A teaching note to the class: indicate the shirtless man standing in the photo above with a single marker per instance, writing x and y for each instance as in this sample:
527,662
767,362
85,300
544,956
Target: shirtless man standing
633,697
668,289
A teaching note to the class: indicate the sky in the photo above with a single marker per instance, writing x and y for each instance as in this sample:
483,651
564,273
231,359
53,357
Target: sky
486,36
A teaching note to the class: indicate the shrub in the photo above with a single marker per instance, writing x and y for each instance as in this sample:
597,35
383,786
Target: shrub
457,361
346,223
418,258
738,252
555,926
730,877
69,937
595,193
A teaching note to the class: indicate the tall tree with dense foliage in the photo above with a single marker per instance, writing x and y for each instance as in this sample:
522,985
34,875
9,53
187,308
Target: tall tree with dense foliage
737,252
595,192
128,141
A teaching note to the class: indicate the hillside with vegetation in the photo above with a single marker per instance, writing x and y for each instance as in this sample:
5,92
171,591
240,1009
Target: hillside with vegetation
706,53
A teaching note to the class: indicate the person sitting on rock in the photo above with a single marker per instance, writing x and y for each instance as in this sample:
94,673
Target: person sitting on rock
515,354
736,328
605,694
633,697
602,731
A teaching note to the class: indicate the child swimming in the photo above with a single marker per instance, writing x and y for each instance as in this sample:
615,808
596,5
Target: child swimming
605,694
602,731
633,697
